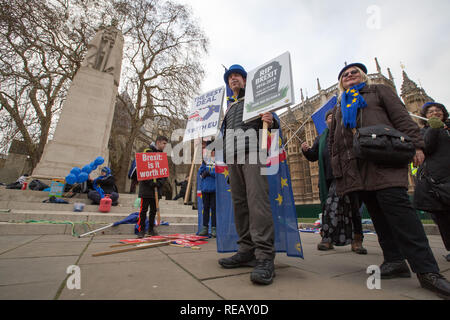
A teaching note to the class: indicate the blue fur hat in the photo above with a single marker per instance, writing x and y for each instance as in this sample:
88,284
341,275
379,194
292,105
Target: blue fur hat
235,68
359,65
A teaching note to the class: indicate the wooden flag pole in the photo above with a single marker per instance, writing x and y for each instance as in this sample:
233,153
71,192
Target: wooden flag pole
137,247
188,189
130,244
264,136
158,216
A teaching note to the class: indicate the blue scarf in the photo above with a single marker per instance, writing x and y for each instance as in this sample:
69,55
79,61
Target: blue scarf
95,182
351,101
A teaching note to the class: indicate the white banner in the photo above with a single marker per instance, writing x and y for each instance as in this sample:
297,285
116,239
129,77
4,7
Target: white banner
203,120
269,87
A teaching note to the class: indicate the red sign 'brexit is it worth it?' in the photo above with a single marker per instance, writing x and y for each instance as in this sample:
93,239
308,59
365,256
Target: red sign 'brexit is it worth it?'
151,165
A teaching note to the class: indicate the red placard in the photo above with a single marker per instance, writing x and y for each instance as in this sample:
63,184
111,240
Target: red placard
151,165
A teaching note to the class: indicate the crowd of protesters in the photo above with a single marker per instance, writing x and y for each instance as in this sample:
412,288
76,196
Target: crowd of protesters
349,178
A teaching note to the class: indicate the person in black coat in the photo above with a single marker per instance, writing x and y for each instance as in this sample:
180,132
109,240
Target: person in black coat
183,188
147,193
436,166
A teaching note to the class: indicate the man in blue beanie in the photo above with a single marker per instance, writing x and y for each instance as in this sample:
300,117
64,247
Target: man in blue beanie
249,188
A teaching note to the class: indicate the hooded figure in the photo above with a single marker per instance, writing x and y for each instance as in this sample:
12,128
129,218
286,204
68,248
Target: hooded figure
104,185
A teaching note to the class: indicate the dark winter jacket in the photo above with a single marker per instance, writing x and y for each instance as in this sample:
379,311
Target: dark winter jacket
108,185
313,155
132,173
352,174
436,166
233,120
147,187
208,177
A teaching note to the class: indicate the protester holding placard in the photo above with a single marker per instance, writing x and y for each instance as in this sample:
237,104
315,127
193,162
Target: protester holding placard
249,189
147,193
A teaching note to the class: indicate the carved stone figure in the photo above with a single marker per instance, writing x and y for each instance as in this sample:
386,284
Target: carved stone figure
105,52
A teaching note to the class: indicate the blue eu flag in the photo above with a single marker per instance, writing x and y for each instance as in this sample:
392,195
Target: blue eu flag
318,116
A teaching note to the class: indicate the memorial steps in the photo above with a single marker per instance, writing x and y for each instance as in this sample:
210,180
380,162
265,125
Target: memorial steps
23,212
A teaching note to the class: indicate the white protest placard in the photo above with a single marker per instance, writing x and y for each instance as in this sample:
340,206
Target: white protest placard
269,87
204,116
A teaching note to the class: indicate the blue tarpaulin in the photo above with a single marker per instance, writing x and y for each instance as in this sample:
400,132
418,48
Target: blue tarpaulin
133,218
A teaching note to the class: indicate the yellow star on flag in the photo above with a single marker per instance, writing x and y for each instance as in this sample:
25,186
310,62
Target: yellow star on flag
284,183
225,172
354,100
352,91
279,199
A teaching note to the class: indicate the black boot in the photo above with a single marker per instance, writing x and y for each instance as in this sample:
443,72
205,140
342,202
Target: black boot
246,259
141,234
436,283
395,269
152,232
263,272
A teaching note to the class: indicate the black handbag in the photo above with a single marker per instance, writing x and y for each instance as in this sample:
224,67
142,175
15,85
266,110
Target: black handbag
383,145
441,190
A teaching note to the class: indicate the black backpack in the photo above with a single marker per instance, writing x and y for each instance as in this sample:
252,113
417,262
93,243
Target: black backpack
37,185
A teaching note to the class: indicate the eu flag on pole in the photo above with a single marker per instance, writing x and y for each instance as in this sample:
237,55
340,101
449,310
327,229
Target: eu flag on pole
318,116
287,237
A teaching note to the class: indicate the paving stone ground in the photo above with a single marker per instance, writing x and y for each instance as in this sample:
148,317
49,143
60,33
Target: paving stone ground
35,267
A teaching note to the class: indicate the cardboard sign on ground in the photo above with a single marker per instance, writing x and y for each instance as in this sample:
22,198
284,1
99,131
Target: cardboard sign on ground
151,165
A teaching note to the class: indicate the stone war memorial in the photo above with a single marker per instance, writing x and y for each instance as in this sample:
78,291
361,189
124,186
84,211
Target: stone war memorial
84,126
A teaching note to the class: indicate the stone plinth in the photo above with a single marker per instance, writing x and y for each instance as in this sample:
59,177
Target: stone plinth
84,126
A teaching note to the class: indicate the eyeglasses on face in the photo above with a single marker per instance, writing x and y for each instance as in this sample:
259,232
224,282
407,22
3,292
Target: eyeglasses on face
430,111
353,72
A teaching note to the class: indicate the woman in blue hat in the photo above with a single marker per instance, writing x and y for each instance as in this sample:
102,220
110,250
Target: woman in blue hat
382,188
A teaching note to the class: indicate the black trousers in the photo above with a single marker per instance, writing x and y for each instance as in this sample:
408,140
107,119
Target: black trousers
209,202
180,195
95,197
356,214
442,219
400,232
145,204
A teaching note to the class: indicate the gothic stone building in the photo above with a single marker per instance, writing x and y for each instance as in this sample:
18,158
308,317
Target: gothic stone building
305,174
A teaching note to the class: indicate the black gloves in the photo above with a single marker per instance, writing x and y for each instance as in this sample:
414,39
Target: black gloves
205,174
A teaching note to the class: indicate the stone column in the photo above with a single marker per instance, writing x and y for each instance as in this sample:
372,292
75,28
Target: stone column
84,125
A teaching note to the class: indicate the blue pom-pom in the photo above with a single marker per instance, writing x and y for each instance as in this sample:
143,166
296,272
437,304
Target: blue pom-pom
82,177
71,178
87,169
99,160
75,171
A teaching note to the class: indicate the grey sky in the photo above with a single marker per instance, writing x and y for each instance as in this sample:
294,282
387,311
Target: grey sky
322,34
